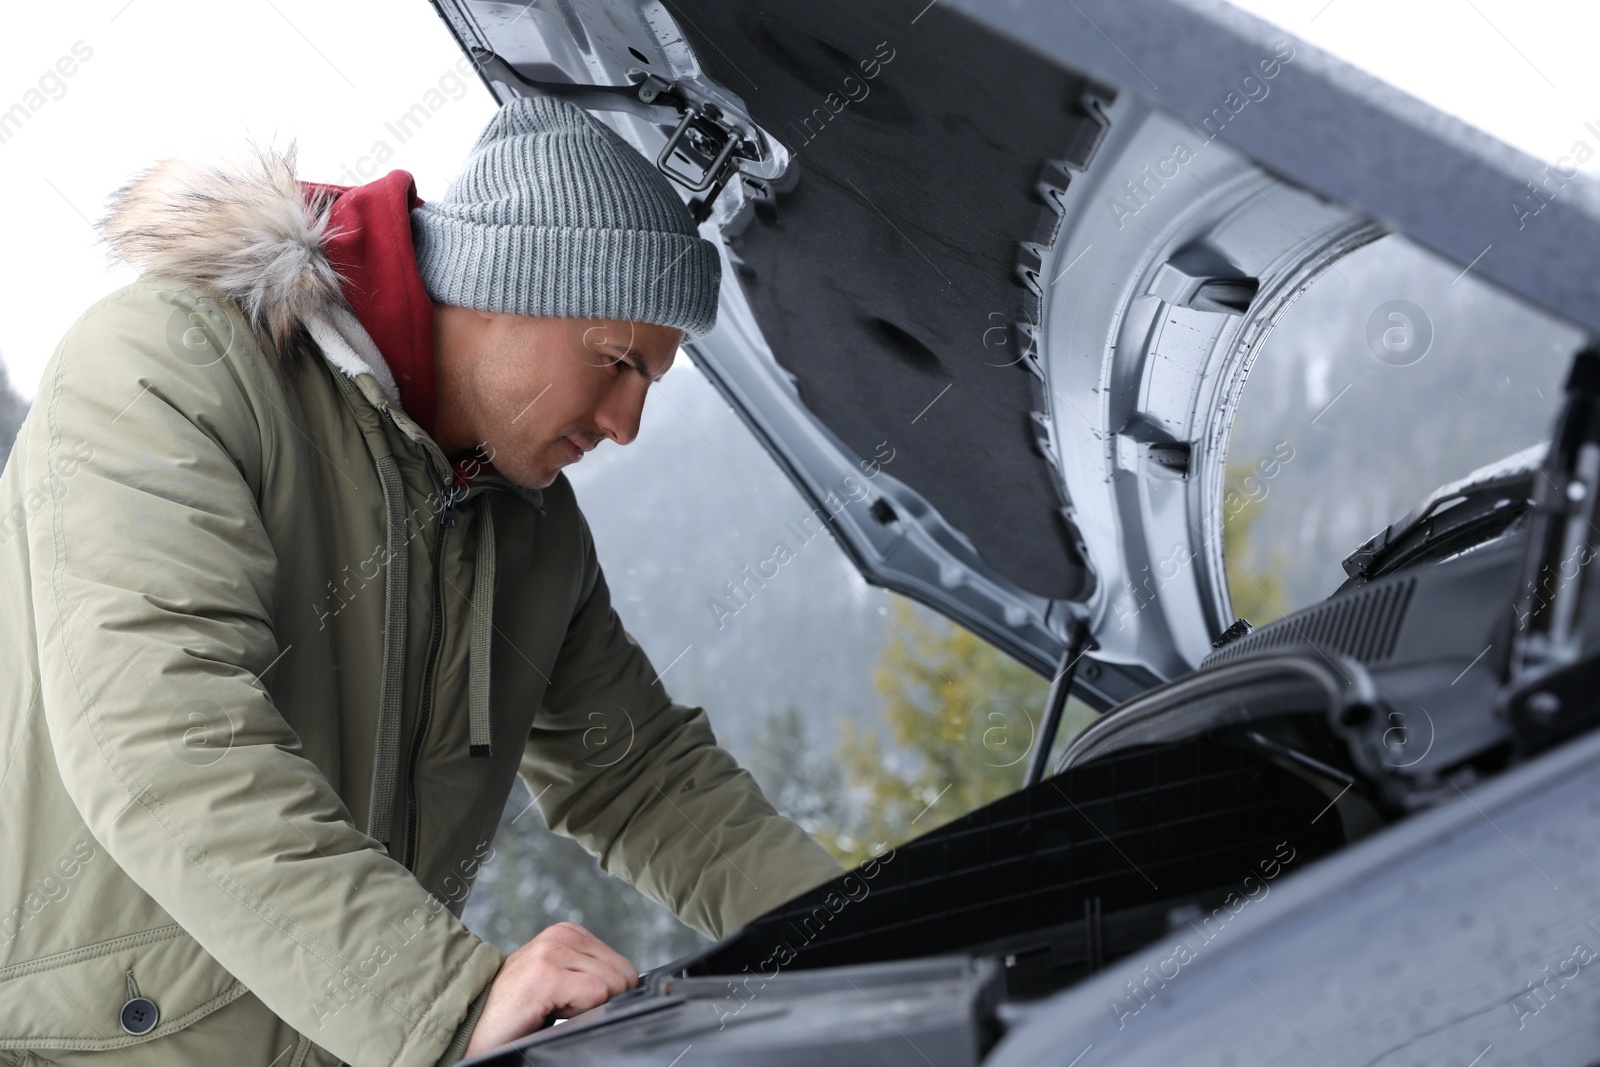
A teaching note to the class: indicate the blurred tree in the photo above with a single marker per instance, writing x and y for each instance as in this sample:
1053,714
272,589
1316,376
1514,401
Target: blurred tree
13,409
1257,593
536,879
802,783
963,716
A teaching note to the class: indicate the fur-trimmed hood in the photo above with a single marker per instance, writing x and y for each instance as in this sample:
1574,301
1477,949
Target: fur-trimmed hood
250,231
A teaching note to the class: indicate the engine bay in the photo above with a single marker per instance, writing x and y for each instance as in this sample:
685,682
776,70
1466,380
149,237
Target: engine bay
1454,651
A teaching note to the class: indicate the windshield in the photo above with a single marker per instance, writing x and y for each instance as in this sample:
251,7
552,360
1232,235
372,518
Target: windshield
1395,373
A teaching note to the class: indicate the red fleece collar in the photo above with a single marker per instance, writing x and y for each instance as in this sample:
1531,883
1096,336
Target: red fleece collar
369,244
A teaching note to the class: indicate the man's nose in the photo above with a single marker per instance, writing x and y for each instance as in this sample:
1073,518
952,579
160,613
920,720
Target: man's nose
618,415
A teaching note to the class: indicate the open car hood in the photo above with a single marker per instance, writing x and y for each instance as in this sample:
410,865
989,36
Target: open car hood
993,311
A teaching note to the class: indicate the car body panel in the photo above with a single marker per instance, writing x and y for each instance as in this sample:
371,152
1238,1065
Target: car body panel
883,297
992,308
1469,926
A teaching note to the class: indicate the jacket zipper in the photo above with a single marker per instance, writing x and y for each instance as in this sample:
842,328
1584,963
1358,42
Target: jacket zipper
447,520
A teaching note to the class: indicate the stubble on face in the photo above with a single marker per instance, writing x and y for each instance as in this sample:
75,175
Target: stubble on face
522,387
532,394
540,384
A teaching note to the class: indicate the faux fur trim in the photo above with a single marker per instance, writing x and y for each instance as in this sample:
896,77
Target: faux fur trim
243,228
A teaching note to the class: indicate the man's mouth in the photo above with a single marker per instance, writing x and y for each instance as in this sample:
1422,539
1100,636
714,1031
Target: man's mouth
575,447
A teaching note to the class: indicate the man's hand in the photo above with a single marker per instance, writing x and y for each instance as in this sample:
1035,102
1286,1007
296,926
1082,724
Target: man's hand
561,972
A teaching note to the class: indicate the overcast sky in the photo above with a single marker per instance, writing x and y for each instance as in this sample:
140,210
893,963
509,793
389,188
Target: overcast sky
155,78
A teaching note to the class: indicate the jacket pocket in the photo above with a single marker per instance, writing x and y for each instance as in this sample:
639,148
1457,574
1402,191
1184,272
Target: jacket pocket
114,993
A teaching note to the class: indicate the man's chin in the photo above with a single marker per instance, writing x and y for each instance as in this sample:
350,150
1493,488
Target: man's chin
539,478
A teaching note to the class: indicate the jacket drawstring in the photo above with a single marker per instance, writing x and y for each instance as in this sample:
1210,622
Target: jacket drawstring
350,349
386,750
391,694
479,738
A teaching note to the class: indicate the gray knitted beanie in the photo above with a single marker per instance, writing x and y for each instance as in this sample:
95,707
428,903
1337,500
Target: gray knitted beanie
555,214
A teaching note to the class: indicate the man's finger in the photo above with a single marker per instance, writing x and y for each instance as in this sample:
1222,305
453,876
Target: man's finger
582,992
613,971
581,940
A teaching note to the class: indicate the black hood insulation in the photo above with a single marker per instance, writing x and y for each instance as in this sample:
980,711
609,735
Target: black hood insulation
887,279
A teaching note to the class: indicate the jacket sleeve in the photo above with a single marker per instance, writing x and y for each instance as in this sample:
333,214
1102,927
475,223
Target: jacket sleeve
641,783
153,588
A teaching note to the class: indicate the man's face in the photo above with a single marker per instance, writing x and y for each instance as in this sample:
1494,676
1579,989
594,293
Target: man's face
534,393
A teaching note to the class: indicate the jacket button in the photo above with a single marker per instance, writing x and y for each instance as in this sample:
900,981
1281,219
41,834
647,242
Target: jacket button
139,1016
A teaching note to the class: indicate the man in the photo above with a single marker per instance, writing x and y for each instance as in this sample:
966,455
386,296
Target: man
294,588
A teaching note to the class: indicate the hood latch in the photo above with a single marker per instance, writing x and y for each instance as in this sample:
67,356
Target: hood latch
701,135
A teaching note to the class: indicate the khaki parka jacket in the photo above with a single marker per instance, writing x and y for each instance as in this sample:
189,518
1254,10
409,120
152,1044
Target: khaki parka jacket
267,675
